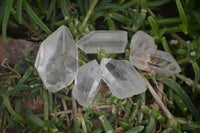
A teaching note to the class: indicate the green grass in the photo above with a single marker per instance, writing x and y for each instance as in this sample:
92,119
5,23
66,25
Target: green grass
140,113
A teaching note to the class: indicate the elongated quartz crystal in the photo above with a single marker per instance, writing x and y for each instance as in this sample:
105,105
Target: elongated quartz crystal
122,79
113,41
145,56
57,60
87,83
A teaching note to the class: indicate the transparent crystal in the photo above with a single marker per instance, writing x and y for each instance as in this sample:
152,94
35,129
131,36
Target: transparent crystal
57,60
113,41
122,79
141,40
154,61
87,83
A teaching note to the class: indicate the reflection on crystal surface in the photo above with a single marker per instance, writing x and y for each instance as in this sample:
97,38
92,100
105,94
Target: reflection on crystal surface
154,61
141,40
122,79
87,83
57,60
113,41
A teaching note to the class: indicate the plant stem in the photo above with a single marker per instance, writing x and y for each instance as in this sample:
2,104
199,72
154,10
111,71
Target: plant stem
182,61
66,109
180,40
83,125
158,100
188,81
11,111
46,105
93,4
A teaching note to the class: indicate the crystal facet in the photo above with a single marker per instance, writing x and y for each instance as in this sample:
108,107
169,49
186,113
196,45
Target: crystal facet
113,41
87,83
122,79
57,60
141,40
154,61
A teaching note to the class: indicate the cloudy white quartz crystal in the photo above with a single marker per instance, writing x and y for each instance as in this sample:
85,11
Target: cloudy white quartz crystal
145,56
87,83
141,40
57,60
122,79
113,41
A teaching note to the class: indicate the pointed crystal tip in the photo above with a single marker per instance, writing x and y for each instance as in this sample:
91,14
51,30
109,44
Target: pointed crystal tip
113,41
87,83
141,40
57,60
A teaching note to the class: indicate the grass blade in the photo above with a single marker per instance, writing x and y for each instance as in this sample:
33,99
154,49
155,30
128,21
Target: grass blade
51,7
5,19
191,126
157,3
61,96
195,14
2,9
177,88
182,15
81,7
64,10
34,16
19,11
154,25
196,71
26,75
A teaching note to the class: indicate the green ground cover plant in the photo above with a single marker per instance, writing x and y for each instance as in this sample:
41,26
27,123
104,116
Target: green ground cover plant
169,105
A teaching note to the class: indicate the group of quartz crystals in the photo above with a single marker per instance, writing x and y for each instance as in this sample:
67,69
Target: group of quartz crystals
57,63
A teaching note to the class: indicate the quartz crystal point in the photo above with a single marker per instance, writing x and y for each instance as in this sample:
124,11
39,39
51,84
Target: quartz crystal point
87,83
113,41
145,56
141,40
57,60
122,79
154,61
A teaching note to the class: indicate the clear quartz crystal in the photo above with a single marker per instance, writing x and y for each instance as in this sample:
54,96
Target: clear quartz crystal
145,56
87,83
141,40
113,41
57,60
154,61
122,79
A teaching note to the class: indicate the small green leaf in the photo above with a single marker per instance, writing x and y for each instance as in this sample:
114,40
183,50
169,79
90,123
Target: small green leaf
27,74
106,124
154,25
61,96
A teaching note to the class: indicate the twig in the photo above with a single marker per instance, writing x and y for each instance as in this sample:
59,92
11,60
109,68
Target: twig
74,105
83,125
188,81
182,61
65,108
93,4
46,105
157,98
